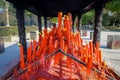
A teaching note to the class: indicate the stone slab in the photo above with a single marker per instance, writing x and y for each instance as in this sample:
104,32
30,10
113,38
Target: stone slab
113,41
33,35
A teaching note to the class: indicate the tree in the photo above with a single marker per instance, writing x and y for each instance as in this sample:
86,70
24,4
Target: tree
2,4
30,19
113,8
7,14
88,18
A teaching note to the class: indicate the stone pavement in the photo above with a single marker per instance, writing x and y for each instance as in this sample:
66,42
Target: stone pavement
9,58
112,58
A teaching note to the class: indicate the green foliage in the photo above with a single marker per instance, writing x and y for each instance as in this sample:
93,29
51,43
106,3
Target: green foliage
87,18
114,6
112,28
13,30
31,28
109,20
54,19
4,31
106,19
2,4
30,19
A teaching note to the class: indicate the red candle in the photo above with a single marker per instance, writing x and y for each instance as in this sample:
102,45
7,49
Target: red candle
34,47
97,45
100,56
90,57
43,44
91,47
45,32
70,20
59,20
89,65
51,44
29,54
56,44
67,26
22,64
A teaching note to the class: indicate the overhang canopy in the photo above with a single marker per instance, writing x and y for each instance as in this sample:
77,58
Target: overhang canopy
50,8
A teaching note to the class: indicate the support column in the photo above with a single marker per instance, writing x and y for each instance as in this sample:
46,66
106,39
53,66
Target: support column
79,25
39,23
21,27
45,22
97,24
73,22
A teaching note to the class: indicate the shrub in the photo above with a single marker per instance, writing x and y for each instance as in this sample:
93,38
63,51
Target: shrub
13,30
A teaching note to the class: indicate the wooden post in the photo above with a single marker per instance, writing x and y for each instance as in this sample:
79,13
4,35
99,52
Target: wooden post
39,23
45,22
21,27
97,24
79,26
73,20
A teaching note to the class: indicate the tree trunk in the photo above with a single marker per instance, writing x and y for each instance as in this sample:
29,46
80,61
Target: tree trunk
97,24
7,14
